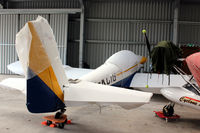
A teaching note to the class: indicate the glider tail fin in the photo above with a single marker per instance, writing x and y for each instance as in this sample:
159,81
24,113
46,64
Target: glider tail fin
39,56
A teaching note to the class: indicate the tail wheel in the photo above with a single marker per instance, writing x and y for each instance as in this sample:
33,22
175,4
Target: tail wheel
61,125
49,123
168,110
58,115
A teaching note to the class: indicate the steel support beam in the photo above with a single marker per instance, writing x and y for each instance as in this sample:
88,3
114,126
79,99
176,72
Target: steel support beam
40,11
128,20
81,43
175,22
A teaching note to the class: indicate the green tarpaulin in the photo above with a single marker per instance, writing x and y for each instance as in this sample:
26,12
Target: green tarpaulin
164,56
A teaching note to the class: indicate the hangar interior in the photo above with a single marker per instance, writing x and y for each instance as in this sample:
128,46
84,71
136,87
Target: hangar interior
89,31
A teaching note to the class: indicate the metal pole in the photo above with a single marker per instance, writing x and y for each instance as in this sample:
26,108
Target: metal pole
81,42
40,11
66,44
175,23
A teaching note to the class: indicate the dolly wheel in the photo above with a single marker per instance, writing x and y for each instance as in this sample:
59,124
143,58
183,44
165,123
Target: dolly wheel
168,110
61,125
58,115
66,121
49,123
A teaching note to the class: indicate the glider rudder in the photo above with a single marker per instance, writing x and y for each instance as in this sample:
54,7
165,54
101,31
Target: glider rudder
44,86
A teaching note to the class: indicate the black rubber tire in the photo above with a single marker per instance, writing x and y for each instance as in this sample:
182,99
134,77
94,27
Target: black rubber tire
66,121
61,125
49,123
168,110
58,115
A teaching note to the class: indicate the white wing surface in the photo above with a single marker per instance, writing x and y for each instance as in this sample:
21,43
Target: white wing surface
71,72
154,82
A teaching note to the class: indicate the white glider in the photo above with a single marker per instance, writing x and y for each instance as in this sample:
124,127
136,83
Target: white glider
48,89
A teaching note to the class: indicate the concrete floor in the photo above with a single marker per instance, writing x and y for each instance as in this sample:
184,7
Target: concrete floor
14,118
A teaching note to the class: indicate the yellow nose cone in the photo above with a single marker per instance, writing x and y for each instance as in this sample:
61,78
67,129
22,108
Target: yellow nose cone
144,31
143,60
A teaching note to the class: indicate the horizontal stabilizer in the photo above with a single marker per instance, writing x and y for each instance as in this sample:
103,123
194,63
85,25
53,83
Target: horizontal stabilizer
90,93
85,92
15,83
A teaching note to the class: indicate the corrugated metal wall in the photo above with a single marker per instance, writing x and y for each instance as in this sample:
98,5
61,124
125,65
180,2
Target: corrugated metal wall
7,40
116,25
189,24
10,24
73,42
